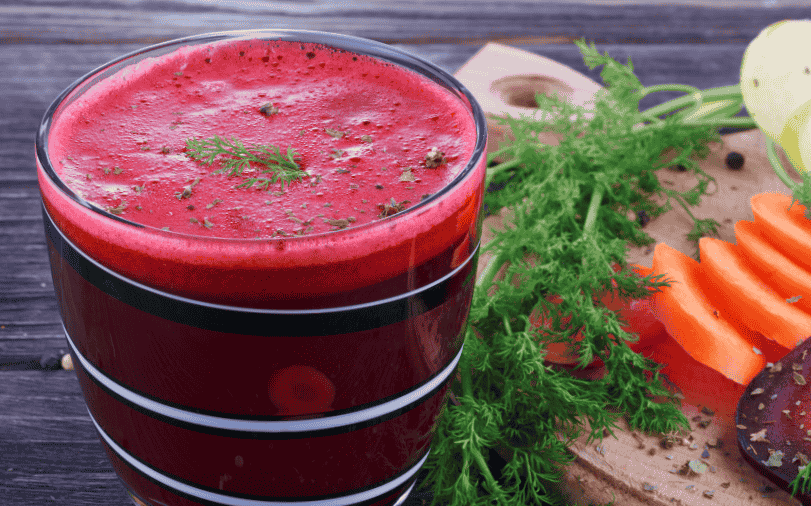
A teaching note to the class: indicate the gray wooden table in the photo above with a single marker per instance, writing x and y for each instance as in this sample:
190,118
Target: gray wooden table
49,451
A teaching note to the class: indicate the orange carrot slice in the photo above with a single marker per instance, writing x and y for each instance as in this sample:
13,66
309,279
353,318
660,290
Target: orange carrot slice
771,350
695,323
737,290
564,352
773,267
636,313
788,230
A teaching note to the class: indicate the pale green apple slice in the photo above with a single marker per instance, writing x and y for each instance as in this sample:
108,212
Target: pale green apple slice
794,138
776,78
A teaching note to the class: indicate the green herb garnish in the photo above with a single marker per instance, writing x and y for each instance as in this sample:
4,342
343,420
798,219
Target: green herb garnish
567,226
235,158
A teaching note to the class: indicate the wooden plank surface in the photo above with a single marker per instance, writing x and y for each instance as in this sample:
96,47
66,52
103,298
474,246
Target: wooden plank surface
49,452
413,22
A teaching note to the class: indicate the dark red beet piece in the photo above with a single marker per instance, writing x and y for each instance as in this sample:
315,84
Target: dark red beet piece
774,415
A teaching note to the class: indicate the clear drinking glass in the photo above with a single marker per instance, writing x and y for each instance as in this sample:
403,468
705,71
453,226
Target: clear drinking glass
260,371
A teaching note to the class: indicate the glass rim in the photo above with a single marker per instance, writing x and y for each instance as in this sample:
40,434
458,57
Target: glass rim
359,45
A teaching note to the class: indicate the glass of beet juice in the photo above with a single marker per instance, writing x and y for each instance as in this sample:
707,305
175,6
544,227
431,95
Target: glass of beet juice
263,247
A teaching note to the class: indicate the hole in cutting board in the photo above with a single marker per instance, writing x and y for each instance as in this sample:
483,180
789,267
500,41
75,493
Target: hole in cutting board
520,91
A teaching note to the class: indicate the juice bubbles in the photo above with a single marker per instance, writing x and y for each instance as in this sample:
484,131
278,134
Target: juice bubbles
263,246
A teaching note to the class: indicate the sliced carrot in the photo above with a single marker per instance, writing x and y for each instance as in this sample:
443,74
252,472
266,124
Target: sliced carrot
784,226
637,314
701,385
782,274
736,290
641,270
771,350
563,354
694,322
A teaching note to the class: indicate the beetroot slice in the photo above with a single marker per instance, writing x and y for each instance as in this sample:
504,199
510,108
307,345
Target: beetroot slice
774,415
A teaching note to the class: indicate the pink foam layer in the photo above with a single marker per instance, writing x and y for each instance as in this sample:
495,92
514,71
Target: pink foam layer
251,271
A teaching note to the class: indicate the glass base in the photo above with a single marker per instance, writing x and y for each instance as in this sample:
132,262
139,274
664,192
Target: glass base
399,502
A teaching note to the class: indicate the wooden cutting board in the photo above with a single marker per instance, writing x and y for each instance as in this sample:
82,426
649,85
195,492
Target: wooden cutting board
630,468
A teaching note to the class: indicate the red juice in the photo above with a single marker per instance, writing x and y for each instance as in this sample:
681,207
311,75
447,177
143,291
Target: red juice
239,336
363,129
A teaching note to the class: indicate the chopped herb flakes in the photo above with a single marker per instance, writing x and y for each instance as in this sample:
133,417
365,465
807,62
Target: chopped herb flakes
434,158
269,109
337,134
759,436
117,209
186,192
697,467
391,207
342,223
407,175
775,459
214,203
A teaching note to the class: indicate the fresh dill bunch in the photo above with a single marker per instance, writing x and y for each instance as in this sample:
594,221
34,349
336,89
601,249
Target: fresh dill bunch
567,224
235,158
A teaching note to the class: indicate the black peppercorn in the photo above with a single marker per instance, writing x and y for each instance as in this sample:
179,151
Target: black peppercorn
643,218
50,362
734,160
679,168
